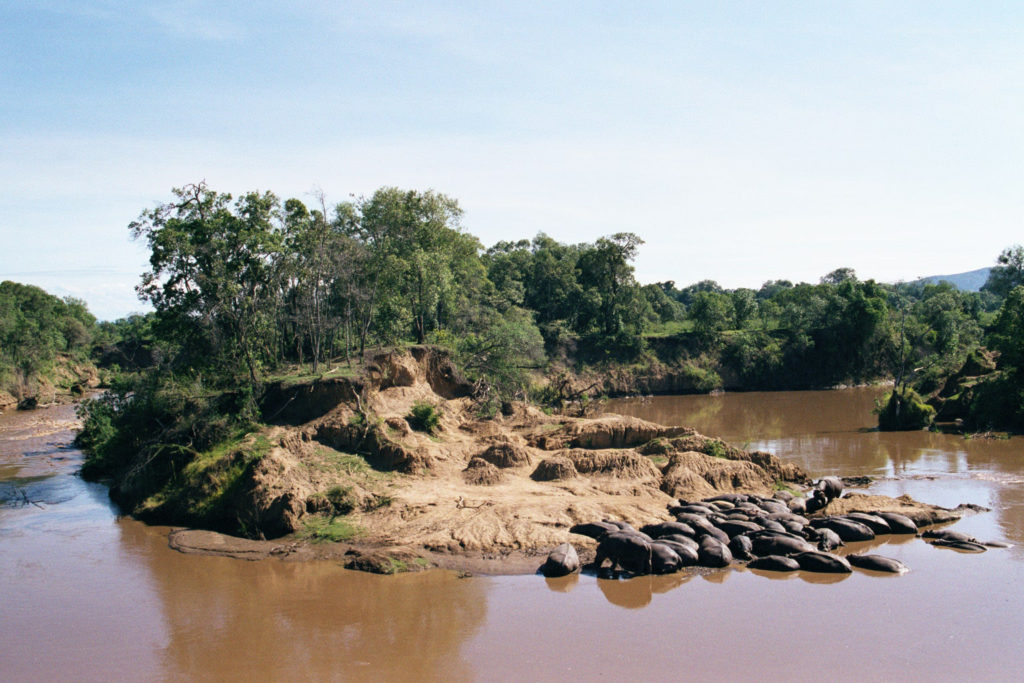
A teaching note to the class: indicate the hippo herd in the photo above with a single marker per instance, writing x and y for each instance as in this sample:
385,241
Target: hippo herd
769,534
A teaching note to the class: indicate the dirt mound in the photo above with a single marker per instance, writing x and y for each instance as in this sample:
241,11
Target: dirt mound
610,431
620,464
507,455
692,476
554,469
482,473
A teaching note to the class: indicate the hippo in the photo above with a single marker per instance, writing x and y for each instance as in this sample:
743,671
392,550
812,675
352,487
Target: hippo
625,550
771,505
774,563
873,522
798,506
666,528
733,498
561,561
792,526
898,524
828,540
825,563
714,553
681,540
949,535
593,530
688,555
623,526
784,517
849,531
741,547
816,502
778,544
694,509
966,546
715,533
722,505
769,524
664,559
698,522
831,487
877,563
734,528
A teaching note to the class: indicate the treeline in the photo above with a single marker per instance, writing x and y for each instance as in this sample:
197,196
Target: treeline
241,287
40,333
246,288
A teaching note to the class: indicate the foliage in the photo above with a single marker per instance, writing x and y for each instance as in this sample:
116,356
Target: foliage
1008,273
904,410
37,330
328,529
424,416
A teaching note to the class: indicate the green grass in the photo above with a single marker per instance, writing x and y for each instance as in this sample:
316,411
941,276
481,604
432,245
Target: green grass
321,529
205,483
783,486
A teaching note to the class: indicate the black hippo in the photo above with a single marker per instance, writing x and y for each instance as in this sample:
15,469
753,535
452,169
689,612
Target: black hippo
877,563
626,550
562,561
774,563
825,563
898,524
714,553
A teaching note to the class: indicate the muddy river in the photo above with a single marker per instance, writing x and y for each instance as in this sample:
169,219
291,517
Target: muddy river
86,595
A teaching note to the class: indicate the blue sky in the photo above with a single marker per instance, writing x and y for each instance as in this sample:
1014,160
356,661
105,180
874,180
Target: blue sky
742,141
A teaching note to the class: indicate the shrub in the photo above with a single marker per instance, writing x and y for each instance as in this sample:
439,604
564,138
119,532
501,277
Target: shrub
904,411
424,416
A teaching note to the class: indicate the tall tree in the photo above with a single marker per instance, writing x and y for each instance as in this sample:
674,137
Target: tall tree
212,280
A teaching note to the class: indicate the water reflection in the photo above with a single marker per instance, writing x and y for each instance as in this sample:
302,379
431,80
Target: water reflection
638,591
313,620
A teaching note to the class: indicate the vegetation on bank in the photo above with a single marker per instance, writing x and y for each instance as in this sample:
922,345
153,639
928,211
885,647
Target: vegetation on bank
45,343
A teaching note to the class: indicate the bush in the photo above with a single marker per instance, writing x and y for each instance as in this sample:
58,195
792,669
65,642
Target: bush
705,381
904,411
424,416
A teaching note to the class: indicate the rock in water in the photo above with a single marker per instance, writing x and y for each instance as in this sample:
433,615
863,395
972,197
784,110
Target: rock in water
562,561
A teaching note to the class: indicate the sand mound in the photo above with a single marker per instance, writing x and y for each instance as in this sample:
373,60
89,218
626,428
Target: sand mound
554,469
481,473
506,455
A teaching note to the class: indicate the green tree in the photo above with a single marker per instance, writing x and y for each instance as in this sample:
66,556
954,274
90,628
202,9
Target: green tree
212,278
710,311
1009,272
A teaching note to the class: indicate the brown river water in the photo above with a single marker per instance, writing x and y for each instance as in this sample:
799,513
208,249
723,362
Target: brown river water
88,595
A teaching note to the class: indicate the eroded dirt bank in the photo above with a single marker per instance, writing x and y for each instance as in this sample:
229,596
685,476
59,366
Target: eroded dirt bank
485,495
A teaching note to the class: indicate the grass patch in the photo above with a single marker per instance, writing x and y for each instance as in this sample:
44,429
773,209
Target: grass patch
204,486
716,449
780,485
658,460
322,529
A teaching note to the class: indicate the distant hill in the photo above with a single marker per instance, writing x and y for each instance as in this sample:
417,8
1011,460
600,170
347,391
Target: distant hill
971,281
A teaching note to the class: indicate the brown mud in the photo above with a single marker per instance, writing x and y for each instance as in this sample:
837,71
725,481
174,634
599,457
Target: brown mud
489,496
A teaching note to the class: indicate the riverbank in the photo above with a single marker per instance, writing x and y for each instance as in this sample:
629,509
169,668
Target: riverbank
349,473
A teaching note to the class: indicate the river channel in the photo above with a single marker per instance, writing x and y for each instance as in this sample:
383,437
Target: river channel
88,595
